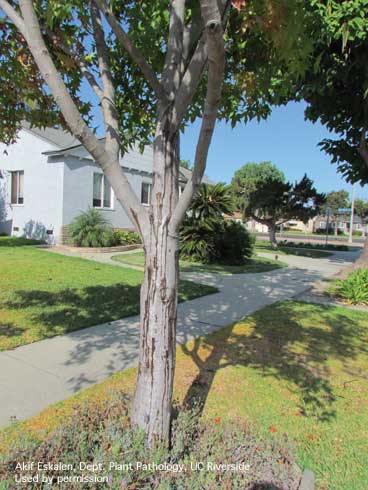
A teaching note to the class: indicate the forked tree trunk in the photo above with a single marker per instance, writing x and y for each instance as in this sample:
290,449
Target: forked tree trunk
153,396
272,235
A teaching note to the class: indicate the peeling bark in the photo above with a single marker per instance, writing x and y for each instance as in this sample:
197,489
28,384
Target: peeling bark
153,396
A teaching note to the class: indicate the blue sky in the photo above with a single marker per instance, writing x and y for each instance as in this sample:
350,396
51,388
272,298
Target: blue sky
285,139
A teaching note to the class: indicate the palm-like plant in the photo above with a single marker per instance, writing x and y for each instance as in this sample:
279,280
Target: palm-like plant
211,202
90,229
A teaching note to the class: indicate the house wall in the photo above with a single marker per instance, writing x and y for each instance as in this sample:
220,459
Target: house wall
43,184
78,185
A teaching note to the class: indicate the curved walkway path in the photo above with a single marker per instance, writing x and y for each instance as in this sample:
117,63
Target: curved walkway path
36,375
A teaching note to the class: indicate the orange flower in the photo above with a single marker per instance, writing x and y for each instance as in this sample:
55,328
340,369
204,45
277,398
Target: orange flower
312,437
272,429
217,420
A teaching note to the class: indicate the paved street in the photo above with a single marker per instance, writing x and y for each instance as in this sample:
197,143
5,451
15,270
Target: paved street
36,375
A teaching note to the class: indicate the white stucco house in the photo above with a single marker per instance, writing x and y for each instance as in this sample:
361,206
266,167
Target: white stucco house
47,178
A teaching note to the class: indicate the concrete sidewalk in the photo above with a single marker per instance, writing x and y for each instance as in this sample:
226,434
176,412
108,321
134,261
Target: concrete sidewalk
36,375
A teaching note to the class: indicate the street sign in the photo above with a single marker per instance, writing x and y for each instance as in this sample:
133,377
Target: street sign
344,210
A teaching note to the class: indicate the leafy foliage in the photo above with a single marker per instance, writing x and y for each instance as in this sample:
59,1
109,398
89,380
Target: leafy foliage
264,195
197,240
90,229
249,176
234,244
267,43
122,237
211,202
206,237
220,242
336,87
353,289
361,209
336,200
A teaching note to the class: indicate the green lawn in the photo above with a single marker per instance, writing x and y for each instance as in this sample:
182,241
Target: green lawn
264,246
293,369
43,294
257,264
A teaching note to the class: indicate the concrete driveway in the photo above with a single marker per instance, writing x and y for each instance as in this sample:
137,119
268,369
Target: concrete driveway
37,375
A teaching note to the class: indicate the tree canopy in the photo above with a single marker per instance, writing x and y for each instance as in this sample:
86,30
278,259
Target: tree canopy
275,202
247,178
336,200
336,84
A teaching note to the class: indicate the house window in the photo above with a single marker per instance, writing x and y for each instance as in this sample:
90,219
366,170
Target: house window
17,187
357,226
146,193
341,225
322,224
102,192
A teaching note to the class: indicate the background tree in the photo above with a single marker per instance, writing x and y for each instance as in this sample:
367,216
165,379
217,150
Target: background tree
336,200
275,202
185,164
361,210
247,179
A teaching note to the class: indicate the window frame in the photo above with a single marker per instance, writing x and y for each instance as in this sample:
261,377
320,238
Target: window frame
17,196
149,193
102,196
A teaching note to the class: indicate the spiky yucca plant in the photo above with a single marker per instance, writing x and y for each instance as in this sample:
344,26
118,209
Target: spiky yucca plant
211,202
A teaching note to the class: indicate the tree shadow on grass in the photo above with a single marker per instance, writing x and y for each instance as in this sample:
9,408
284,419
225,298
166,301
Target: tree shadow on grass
71,309
279,346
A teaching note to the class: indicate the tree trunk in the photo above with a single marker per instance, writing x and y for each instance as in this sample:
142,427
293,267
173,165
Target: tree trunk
363,259
153,396
272,234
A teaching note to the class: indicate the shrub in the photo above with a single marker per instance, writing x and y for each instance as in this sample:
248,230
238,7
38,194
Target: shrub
331,231
286,243
215,241
102,434
122,237
353,289
357,233
90,229
234,244
197,240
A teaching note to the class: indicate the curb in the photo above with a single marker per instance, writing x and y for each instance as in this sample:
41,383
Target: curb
307,481
119,248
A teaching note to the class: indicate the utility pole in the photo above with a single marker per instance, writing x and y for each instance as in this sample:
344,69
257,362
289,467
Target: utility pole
352,215
328,214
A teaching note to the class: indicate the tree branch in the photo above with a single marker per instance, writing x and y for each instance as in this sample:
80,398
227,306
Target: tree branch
194,71
363,149
82,66
108,99
132,50
13,16
171,73
74,120
216,66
